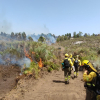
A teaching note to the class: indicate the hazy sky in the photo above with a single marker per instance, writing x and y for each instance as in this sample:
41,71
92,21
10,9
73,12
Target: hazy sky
50,16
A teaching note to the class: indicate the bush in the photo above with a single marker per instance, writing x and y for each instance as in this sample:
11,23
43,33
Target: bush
44,52
49,69
52,66
33,69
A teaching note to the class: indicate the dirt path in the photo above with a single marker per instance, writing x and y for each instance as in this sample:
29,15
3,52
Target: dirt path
50,87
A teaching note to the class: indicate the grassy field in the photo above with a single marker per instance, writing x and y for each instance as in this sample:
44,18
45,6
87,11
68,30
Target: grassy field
89,48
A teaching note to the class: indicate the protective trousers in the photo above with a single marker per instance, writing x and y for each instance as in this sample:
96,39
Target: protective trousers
67,74
76,71
90,95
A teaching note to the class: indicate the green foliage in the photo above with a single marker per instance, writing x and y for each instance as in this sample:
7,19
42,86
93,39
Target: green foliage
24,36
30,38
63,37
12,34
49,69
89,49
41,39
33,69
1,53
44,52
51,66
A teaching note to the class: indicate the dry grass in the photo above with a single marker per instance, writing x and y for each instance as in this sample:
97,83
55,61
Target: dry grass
89,49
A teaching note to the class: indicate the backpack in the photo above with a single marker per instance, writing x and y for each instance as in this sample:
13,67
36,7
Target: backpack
97,85
66,63
76,63
96,88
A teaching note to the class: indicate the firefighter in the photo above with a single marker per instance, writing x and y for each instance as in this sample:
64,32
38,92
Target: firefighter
90,79
66,66
72,59
77,64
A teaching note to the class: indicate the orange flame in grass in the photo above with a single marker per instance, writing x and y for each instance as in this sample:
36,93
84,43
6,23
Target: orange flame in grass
40,63
33,52
27,55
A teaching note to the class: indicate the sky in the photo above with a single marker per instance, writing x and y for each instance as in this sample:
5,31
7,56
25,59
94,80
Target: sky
50,16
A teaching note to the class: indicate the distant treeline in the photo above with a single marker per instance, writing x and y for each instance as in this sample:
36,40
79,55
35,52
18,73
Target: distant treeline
22,36
75,35
42,38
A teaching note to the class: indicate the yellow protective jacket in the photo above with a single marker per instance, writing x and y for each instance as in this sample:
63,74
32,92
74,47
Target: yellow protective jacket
69,61
89,77
79,62
72,59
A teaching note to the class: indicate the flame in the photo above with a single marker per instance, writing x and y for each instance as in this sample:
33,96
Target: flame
40,63
33,52
27,55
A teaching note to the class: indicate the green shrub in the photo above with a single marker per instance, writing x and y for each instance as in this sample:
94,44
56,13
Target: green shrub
52,66
44,52
33,69
49,69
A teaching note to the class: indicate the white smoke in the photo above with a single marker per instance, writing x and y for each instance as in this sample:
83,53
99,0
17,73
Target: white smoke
8,59
96,64
48,37
25,61
5,25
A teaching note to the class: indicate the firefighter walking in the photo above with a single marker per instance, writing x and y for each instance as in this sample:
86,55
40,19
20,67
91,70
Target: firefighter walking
77,64
66,67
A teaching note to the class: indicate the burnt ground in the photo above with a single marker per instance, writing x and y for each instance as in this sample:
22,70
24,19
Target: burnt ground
7,78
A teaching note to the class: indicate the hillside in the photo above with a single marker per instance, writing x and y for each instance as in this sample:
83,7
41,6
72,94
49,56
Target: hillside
50,85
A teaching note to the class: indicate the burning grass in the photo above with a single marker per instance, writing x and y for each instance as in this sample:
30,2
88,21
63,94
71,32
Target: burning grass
36,54
32,70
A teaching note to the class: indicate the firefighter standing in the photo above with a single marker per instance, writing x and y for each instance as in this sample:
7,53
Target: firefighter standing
90,78
67,64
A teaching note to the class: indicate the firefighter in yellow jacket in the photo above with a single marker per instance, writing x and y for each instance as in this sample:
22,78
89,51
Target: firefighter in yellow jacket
72,59
90,78
66,66
77,64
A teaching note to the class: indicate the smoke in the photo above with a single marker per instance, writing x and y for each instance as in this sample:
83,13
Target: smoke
46,30
49,37
9,59
23,61
42,31
96,64
1,60
5,25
